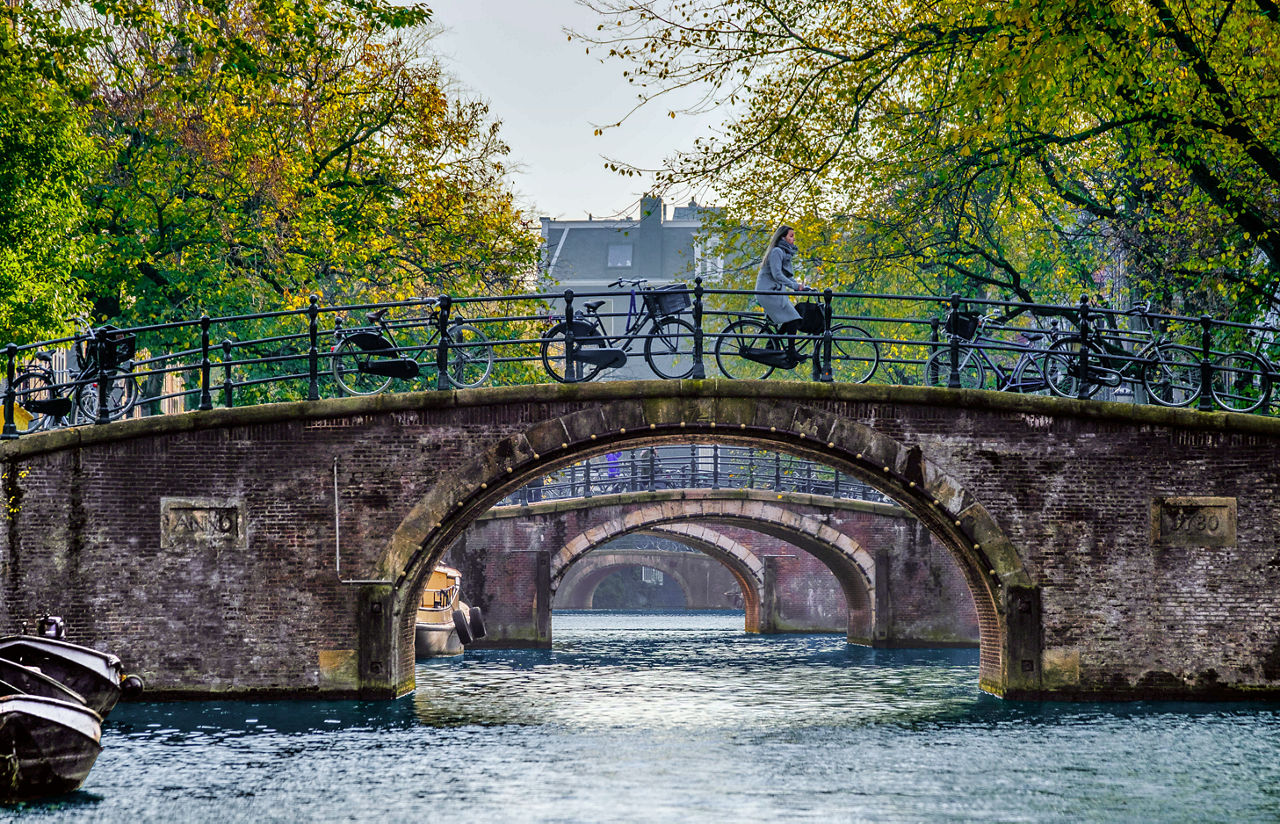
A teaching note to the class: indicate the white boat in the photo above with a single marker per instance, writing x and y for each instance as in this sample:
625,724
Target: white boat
97,677
47,746
445,624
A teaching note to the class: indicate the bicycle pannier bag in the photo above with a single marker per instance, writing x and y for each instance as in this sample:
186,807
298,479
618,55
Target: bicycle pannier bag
812,318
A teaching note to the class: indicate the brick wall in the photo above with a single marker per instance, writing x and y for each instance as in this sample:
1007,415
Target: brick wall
1093,538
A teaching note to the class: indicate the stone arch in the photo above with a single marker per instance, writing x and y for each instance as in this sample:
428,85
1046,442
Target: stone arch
1005,598
598,576
852,565
746,568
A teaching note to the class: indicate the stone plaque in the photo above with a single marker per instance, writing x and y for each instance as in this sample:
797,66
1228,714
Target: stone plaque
201,521
1193,521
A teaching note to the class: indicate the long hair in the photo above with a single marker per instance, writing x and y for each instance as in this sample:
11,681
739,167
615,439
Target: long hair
778,234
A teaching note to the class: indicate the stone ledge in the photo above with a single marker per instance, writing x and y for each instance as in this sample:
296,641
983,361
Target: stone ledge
792,391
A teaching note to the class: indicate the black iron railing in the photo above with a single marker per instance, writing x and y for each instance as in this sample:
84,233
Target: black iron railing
696,466
451,342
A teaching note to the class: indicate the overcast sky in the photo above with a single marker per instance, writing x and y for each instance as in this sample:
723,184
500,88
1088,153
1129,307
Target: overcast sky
550,96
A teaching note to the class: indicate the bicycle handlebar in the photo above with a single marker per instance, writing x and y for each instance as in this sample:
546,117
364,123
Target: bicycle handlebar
628,282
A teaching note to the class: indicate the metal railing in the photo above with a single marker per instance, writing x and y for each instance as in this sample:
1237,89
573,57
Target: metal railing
697,466
296,354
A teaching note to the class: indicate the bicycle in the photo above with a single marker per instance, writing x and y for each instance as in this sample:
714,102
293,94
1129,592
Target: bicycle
367,358
668,343
1169,372
1242,380
103,356
750,348
1027,375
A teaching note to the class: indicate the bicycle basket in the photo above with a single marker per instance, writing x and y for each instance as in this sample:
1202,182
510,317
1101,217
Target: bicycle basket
112,348
668,300
963,324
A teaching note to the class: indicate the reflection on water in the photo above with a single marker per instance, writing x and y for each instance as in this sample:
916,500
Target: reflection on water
683,717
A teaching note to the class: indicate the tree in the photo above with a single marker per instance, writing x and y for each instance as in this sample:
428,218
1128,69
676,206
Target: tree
261,153
1024,146
44,152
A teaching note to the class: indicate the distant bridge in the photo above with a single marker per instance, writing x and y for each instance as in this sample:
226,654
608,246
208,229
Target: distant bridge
1111,551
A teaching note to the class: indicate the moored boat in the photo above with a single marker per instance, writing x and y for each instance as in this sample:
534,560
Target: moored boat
31,681
445,624
47,746
97,677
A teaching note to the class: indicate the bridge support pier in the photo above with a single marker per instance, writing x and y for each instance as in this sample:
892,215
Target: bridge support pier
378,658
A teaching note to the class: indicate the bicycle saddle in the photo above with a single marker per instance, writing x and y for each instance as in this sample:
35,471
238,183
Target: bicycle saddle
593,305
44,355
1033,335
376,316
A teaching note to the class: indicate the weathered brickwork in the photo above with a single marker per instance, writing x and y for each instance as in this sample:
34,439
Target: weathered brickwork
1045,505
923,600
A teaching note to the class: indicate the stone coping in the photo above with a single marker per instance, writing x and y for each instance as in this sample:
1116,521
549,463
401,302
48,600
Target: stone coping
797,392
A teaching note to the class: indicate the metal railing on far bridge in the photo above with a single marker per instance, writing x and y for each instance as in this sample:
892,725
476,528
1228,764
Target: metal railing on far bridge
696,466
679,331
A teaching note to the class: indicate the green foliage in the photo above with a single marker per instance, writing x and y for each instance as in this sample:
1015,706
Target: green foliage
261,152
1024,150
44,153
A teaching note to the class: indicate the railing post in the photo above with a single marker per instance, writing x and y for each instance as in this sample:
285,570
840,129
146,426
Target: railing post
715,466
10,428
571,370
835,483
100,341
699,367
227,400
442,345
777,471
1206,365
206,396
1082,363
953,324
652,468
586,478
313,351
822,372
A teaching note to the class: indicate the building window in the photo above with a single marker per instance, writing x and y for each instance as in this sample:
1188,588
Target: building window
619,255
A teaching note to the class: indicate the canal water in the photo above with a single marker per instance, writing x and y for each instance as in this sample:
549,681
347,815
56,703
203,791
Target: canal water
681,717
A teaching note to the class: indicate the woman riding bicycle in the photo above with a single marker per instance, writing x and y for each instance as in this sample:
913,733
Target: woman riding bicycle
777,275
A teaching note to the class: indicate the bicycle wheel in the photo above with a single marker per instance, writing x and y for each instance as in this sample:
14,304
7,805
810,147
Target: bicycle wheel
553,352
669,349
969,371
347,360
122,394
855,358
1062,368
470,356
1241,382
737,337
34,388
1029,377
1171,375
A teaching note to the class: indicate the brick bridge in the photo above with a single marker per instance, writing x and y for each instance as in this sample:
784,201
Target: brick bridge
704,582
1110,551
803,563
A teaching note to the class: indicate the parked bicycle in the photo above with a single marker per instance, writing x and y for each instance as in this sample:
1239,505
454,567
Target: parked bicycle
367,358
668,340
752,347
974,361
103,375
1170,372
1243,380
